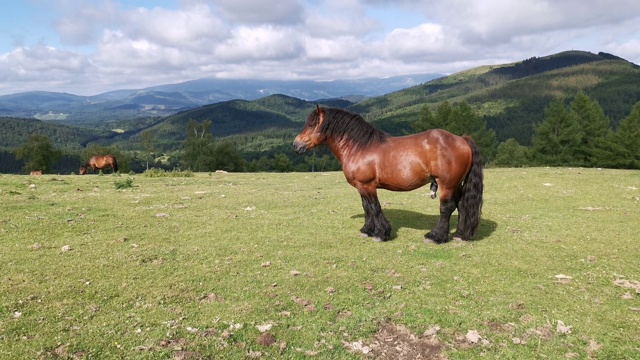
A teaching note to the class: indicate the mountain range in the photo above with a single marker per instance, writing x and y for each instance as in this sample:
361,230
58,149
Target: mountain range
163,100
511,98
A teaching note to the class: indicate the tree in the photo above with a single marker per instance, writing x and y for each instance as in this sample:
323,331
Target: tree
557,139
627,139
148,143
512,154
38,154
441,119
199,147
226,157
202,153
460,119
282,163
593,149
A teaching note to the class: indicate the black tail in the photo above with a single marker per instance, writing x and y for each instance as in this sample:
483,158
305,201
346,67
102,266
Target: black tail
470,205
115,165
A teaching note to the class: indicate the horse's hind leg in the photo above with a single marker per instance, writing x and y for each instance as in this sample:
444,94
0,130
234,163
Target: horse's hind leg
434,189
448,204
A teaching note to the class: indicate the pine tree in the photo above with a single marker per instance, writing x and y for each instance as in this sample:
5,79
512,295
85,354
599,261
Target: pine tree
593,149
627,138
557,139
460,119
430,120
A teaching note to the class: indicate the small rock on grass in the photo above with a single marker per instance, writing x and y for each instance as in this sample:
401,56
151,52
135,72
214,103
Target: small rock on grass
473,336
563,329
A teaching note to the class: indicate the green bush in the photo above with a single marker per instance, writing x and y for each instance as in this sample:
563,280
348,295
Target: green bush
124,184
154,172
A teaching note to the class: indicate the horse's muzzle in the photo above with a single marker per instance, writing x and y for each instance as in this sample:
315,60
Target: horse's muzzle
299,147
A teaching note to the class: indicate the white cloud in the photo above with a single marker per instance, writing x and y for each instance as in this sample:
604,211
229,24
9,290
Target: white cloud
108,44
80,23
193,28
499,21
425,42
627,50
257,12
264,42
32,68
119,53
337,50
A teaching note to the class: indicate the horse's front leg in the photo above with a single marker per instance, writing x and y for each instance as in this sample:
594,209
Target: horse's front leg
368,228
376,224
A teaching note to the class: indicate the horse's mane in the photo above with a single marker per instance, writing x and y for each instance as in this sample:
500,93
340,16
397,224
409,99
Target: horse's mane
342,124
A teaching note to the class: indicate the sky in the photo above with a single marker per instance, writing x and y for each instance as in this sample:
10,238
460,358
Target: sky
87,47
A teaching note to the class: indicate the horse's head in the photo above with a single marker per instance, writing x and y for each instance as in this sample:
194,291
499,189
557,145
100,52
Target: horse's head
310,136
83,170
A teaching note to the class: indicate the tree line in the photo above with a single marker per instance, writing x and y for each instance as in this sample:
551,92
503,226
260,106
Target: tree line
574,132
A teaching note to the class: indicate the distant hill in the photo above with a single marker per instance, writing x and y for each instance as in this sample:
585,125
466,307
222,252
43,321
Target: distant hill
163,100
512,97
14,132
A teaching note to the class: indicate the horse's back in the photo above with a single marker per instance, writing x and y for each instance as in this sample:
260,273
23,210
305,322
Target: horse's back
100,161
444,154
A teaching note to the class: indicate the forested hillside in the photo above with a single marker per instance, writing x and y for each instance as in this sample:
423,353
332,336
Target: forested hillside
507,107
14,132
512,97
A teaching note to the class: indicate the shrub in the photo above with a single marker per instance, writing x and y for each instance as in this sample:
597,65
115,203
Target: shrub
124,184
154,172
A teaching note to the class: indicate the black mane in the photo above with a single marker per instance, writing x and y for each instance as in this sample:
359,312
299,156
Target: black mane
342,124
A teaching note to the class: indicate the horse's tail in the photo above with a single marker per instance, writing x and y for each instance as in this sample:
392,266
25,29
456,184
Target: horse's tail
470,205
115,165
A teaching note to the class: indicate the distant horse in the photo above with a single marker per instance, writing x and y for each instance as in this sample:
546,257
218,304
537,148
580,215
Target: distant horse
99,163
36,173
371,159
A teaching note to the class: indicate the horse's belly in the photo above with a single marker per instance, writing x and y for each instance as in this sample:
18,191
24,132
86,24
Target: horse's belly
405,176
405,184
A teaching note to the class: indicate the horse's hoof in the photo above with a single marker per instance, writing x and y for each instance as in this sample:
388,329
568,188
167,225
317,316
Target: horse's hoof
428,240
377,239
364,235
457,237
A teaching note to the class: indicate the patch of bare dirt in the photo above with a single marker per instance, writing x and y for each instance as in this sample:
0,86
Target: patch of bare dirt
397,342
266,339
629,284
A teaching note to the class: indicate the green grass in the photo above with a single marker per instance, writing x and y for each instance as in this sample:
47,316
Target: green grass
188,267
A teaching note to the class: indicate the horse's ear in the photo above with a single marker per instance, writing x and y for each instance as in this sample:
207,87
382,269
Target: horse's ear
319,109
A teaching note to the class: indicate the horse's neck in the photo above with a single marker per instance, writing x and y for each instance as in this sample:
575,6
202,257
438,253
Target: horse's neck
341,149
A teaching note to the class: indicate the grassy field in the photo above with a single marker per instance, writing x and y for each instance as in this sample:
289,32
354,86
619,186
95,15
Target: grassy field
272,266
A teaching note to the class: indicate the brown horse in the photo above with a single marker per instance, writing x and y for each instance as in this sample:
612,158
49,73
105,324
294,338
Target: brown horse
372,159
99,163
